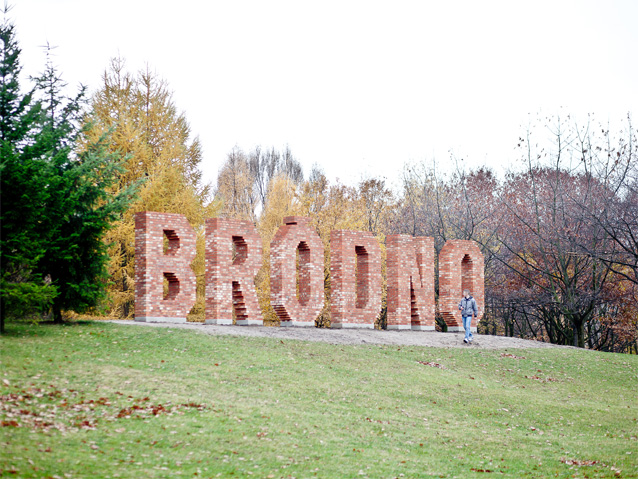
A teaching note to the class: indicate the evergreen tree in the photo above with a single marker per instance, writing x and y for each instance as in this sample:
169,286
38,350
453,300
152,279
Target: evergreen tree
22,189
56,200
82,208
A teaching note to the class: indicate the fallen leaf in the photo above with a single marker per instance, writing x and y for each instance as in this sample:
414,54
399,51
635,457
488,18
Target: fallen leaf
432,364
508,355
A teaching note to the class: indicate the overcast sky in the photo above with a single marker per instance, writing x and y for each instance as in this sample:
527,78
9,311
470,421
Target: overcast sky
359,87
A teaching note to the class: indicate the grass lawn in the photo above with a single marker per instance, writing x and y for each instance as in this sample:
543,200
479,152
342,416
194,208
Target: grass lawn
93,399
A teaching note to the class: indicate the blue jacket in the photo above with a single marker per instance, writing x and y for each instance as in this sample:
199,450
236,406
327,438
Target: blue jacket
468,307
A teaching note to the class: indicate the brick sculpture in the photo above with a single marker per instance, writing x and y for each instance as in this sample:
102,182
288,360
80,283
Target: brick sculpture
296,242
165,248
355,279
233,258
155,263
460,267
410,269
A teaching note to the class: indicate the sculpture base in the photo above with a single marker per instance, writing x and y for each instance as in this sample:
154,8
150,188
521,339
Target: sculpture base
402,327
219,322
352,325
303,324
250,322
159,319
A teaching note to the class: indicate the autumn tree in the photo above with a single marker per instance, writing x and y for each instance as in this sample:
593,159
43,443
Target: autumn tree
148,129
377,202
562,290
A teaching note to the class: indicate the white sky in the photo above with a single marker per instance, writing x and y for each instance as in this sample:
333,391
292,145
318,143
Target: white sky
359,87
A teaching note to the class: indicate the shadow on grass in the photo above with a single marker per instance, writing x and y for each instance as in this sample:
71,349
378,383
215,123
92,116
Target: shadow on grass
20,328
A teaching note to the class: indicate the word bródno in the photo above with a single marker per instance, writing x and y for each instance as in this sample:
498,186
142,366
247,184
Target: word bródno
165,248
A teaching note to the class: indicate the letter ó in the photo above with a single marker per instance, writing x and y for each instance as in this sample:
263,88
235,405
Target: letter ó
296,237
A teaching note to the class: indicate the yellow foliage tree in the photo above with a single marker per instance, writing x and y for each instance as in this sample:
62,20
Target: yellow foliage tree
145,126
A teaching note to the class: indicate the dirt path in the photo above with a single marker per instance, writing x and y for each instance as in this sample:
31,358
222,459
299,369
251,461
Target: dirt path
357,336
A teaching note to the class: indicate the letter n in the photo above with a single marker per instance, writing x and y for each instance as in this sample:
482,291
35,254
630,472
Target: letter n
165,246
296,278
355,279
410,266
460,267
233,258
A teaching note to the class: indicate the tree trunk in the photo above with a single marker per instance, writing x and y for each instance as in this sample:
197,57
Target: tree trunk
126,305
57,314
579,334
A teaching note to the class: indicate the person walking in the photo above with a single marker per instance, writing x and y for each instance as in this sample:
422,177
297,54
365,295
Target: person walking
468,308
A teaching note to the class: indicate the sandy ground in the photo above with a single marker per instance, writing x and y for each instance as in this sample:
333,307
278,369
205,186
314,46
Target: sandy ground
356,336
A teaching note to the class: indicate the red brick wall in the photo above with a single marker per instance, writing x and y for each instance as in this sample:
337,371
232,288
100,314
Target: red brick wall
355,299
231,281
410,270
152,266
294,234
460,267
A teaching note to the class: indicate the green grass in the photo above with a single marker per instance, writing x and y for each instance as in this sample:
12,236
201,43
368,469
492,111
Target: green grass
102,400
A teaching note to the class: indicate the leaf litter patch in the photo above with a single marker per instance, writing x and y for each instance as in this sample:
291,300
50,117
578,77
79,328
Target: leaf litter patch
513,356
577,462
66,410
432,364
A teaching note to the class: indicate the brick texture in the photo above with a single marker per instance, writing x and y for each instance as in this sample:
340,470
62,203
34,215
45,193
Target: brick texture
355,279
461,266
153,265
233,258
410,270
296,238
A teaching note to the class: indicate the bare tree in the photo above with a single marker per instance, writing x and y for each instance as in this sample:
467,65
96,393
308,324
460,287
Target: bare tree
235,187
560,286
244,179
613,165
